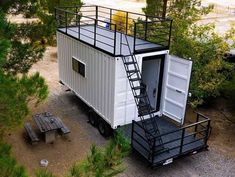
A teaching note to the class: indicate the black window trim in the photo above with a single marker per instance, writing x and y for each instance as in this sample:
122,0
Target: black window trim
75,58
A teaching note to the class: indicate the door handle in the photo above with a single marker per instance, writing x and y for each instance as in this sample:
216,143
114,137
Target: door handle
178,91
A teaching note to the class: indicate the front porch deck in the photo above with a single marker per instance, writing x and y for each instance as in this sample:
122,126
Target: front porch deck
177,141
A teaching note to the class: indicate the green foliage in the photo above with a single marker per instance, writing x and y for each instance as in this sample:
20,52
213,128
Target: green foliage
23,52
16,91
154,7
228,90
43,173
15,94
105,162
203,45
8,165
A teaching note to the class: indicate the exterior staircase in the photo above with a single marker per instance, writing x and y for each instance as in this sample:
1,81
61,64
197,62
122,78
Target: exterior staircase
142,100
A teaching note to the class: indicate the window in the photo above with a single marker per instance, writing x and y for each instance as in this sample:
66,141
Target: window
78,66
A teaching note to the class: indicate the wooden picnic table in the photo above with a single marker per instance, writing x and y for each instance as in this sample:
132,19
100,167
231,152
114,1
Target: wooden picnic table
48,124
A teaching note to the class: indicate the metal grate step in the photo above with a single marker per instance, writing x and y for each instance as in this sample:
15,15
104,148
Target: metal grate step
142,100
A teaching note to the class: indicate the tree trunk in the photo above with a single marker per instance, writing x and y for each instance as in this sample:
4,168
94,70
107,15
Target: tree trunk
164,8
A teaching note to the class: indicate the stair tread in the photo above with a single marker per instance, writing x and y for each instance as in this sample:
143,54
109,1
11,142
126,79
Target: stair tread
130,62
140,96
132,71
134,79
138,87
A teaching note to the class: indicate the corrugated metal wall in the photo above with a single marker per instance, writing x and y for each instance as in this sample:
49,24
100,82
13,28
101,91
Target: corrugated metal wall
125,106
97,89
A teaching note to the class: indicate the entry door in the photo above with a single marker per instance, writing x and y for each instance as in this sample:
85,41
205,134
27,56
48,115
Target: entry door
150,77
176,85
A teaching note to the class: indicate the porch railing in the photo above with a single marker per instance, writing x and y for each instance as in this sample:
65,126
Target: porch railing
185,136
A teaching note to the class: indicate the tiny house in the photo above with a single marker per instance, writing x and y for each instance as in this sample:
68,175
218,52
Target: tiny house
121,68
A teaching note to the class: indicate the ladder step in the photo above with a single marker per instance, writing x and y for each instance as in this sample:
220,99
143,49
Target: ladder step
130,63
134,79
140,96
132,71
138,87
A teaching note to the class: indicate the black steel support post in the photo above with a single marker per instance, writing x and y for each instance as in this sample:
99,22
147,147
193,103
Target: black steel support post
146,27
121,44
126,22
76,11
115,35
66,21
79,24
134,38
153,150
195,130
111,11
182,140
207,132
132,132
169,40
95,26
96,12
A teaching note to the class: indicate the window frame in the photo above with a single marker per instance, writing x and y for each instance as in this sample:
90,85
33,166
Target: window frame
77,69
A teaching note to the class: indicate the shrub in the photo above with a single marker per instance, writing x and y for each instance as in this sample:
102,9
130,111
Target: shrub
8,165
43,173
105,162
119,19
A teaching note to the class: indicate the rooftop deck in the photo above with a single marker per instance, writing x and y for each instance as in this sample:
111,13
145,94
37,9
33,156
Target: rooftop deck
107,29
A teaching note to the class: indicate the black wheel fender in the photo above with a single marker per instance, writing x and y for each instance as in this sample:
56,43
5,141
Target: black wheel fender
92,118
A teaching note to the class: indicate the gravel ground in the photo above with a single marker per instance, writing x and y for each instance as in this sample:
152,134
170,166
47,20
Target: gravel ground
206,164
216,162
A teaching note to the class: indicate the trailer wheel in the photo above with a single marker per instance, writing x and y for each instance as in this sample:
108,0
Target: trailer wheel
104,128
92,117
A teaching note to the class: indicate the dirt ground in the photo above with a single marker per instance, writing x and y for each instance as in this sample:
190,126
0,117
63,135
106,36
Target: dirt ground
218,161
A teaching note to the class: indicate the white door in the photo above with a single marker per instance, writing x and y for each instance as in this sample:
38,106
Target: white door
175,87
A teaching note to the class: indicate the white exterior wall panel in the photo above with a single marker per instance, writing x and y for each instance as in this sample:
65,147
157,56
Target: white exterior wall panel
125,106
97,88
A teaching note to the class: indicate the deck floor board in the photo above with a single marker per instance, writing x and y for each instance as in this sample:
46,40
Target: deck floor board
105,39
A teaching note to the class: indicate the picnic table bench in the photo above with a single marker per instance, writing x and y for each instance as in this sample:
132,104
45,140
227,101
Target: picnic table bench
31,134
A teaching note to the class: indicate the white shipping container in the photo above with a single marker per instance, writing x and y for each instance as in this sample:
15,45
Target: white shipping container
106,89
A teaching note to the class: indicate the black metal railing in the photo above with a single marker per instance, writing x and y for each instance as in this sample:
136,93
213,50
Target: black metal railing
177,142
139,26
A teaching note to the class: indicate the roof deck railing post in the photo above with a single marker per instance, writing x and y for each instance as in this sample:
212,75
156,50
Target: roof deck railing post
96,12
66,21
146,27
115,35
121,44
111,11
95,28
126,22
169,40
134,37
79,24
76,13
182,140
